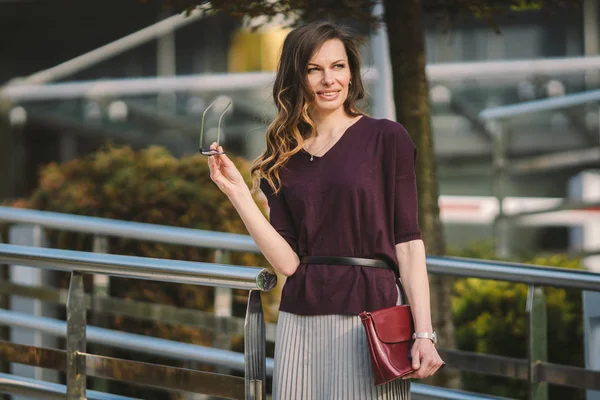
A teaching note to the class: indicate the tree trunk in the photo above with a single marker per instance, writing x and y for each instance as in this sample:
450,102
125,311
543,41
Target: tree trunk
404,21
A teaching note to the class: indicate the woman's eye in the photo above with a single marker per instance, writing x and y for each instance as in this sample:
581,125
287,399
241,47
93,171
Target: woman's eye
312,69
339,66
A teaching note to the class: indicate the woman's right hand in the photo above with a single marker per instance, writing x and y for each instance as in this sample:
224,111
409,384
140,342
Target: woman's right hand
225,174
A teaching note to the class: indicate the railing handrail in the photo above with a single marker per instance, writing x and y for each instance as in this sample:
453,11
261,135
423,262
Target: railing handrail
498,270
514,272
166,270
129,229
529,107
221,82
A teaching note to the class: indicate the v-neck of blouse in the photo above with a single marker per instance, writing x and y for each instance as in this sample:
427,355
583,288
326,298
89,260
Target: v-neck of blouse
315,157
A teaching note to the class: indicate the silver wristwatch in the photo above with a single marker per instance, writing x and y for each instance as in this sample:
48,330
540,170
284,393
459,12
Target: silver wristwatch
426,335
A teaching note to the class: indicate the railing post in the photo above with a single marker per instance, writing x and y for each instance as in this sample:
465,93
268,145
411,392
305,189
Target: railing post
538,341
254,348
100,289
101,282
499,188
76,323
31,235
223,304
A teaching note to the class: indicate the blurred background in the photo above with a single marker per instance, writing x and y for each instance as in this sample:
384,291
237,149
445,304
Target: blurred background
154,91
101,106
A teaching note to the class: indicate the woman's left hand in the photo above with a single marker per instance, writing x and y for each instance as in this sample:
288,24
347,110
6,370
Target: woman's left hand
425,358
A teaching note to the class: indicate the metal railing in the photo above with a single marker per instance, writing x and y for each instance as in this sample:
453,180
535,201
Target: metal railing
535,369
80,363
103,227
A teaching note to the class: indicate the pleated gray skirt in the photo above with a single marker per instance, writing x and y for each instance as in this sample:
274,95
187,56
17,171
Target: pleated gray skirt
325,357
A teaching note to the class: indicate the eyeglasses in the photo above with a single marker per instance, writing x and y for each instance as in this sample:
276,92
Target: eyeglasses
209,151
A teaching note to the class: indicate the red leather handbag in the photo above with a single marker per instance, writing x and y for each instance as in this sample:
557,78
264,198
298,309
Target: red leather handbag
389,334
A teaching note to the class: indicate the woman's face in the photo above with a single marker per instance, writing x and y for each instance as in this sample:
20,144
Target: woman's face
329,76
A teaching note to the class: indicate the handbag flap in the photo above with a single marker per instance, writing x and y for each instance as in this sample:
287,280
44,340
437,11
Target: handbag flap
393,324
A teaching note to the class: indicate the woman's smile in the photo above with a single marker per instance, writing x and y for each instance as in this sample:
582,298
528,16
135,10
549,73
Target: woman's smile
328,95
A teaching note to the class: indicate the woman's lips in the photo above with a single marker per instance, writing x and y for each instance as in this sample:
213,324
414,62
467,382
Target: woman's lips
328,95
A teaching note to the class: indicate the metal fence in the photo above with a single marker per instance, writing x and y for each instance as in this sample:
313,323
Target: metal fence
77,363
535,369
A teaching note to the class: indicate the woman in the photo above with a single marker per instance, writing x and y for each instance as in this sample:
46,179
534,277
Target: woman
339,184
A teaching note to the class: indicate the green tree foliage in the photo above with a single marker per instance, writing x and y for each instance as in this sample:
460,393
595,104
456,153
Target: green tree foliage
361,10
490,317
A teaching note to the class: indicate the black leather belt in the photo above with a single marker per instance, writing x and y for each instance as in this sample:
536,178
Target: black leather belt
335,260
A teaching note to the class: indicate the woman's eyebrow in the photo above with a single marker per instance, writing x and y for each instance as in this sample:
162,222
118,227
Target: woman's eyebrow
333,62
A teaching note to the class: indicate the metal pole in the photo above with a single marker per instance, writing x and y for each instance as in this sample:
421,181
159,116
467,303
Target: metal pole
223,311
150,85
538,341
157,269
7,156
101,282
590,38
383,97
76,314
254,348
100,289
31,235
166,66
501,234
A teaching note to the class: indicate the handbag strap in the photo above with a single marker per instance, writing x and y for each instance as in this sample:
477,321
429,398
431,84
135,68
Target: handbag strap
402,292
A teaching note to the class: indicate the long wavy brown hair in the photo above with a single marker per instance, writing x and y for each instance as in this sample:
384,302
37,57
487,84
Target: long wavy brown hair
293,96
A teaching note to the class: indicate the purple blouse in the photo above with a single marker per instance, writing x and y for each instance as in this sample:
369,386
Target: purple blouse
359,199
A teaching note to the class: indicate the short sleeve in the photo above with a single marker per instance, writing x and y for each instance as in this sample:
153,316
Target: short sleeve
406,204
280,216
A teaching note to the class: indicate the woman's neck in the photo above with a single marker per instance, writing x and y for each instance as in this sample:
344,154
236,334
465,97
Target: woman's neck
329,124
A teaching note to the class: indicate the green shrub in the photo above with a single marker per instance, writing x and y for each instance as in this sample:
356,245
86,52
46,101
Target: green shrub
490,317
